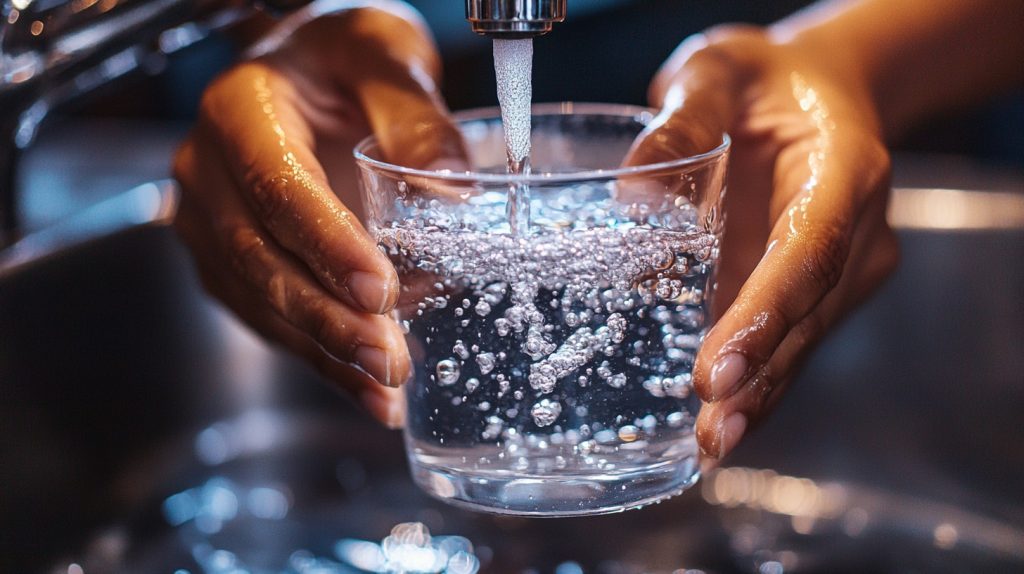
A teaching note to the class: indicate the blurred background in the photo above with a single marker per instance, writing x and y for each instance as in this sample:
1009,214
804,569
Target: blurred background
607,52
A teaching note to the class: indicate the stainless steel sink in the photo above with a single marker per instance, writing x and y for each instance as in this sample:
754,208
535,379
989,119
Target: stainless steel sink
145,430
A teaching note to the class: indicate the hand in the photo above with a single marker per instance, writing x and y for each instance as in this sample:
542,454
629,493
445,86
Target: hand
805,237
269,203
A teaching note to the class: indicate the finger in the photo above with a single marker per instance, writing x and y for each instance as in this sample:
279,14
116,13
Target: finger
386,404
410,119
698,91
253,115
373,342
800,289
876,250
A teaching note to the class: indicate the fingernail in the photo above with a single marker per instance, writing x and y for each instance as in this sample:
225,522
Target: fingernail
730,433
369,290
726,375
374,361
385,409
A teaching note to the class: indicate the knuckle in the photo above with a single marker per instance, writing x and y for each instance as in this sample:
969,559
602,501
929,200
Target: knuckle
329,330
322,327
245,249
270,194
808,331
826,249
759,389
877,164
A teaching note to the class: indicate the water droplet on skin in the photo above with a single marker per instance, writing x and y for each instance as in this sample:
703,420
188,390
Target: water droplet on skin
447,372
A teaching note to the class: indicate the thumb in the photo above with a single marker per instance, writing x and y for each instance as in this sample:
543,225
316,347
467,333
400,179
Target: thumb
412,123
698,90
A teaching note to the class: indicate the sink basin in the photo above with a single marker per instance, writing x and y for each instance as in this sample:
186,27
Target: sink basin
145,430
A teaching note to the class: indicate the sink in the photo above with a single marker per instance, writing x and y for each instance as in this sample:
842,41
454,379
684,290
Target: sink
145,430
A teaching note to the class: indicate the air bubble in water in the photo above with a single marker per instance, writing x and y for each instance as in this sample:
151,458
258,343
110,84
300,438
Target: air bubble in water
545,412
502,326
662,260
486,362
494,293
460,349
483,308
628,433
447,372
675,419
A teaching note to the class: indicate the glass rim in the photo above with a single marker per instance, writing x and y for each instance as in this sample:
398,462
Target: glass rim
544,109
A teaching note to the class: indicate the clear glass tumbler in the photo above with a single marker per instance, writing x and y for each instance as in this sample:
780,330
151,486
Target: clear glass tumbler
552,354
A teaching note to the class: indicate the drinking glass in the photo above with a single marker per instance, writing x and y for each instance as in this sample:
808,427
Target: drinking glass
552,317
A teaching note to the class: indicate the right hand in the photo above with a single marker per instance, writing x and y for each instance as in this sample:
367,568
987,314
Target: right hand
269,204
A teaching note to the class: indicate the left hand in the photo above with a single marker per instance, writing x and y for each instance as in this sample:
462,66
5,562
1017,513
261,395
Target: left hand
806,238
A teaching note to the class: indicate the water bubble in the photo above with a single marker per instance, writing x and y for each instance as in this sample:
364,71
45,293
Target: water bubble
545,412
493,429
447,372
676,419
483,308
669,288
472,384
617,381
502,326
460,349
463,562
494,293
662,260
628,433
486,362
542,378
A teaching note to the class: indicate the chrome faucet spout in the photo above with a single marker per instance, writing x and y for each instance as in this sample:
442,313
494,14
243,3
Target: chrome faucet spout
514,18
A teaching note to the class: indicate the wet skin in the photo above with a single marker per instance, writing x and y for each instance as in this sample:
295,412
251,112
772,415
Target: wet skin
271,211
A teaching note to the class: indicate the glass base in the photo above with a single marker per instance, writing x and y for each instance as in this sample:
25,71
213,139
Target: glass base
556,494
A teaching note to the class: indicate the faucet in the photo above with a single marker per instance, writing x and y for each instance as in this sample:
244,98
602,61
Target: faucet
54,51
514,18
